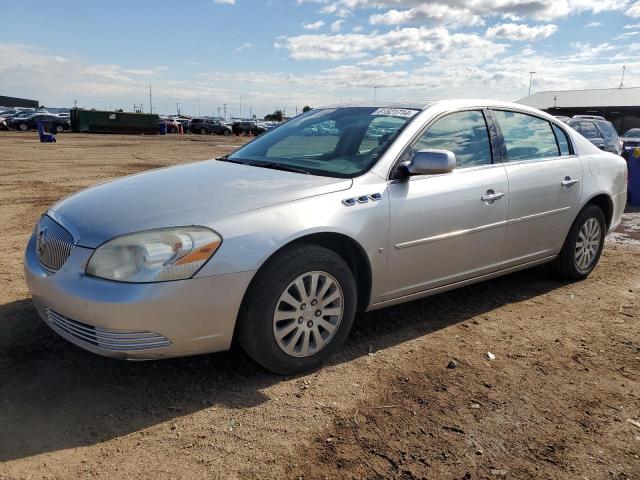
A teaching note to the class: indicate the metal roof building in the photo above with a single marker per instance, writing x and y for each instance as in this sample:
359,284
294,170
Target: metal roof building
621,106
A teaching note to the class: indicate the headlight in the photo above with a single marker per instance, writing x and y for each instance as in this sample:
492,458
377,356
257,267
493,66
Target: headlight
155,255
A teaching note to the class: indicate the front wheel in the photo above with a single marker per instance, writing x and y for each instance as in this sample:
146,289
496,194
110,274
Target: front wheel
226,132
583,245
24,127
299,310
203,131
59,128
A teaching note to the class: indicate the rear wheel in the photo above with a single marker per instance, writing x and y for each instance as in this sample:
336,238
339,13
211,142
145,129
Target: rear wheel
24,127
583,245
203,131
226,132
59,128
299,310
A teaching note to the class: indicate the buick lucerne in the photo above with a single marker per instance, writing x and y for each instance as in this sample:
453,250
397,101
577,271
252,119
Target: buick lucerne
341,210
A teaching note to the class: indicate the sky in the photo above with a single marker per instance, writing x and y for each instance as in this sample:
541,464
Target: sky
258,56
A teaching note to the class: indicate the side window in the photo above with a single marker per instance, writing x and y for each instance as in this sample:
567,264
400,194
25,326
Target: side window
526,137
589,130
563,141
463,133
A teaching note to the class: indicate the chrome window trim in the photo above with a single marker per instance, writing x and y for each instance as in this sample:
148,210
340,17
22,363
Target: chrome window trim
449,235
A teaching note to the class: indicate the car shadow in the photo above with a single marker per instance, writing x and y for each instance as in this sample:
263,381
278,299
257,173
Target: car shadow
54,395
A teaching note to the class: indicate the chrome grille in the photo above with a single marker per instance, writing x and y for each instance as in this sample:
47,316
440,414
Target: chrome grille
53,244
115,340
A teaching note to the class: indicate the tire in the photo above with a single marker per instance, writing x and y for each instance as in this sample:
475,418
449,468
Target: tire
309,341
23,127
203,131
574,262
59,128
226,132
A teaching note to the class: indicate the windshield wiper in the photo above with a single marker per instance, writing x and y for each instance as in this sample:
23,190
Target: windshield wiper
280,166
232,160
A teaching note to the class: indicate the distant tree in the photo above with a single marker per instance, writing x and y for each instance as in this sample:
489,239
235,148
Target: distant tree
306,108
275,116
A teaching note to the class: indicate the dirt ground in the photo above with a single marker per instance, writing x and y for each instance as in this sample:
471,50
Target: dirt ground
555,403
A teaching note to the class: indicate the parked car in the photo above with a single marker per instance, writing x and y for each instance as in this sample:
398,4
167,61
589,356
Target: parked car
185,122
631,142
562,118
3,124
50,122
208,125
279,244
599,132
252,128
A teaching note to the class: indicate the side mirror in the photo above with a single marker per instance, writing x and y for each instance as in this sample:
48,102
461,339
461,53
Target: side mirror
430,162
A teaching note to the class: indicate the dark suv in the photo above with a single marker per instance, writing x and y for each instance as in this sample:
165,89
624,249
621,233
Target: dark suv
249,128
208,125
599,132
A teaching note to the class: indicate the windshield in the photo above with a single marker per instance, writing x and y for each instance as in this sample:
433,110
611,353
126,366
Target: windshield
634,132
336,142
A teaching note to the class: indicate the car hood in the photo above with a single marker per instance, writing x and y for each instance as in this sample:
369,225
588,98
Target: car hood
193,194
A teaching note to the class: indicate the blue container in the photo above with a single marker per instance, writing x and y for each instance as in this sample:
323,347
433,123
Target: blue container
163,128
633,164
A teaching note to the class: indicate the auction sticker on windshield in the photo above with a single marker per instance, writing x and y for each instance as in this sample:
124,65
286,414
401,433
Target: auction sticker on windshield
395,112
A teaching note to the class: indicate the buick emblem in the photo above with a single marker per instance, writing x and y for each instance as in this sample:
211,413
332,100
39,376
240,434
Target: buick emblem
41,241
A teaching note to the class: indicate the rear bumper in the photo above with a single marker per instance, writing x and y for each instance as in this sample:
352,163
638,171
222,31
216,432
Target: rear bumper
125,320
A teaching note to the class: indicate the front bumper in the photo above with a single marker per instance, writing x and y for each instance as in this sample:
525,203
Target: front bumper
195,316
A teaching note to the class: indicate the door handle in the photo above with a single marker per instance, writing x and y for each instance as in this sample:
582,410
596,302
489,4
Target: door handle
491,196
568,182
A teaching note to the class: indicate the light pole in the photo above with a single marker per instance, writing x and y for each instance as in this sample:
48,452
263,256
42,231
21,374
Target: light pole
240,107
624,67
198,108
178,108
530,81
375,93
150,102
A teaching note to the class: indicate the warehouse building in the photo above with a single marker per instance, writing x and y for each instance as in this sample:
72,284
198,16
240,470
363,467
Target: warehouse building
18,102
621,106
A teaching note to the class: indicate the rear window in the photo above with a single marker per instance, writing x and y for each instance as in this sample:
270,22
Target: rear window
589,130
526,137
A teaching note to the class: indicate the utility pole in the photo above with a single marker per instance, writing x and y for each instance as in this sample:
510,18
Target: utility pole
530,81
225,110
218,112
240,107
624,67
198,107
150,102
75,104
375,93
250,111
178,108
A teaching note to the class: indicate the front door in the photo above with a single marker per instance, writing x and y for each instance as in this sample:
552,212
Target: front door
449,227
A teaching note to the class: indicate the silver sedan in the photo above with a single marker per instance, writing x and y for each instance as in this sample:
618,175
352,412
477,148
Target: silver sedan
341,210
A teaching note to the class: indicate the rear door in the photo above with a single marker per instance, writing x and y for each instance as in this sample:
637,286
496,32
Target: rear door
545,179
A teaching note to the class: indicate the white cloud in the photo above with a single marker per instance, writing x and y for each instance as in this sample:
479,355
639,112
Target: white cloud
630,27
430,12
357,29
416,41
225,2
521,32
593,24
337,25
244,46
386,60
634,10
313,26
405,11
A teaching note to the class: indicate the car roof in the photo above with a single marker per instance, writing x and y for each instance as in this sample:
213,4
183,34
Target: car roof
452,104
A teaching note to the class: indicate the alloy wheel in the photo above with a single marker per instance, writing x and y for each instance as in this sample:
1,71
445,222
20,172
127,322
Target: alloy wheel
308,314
588,244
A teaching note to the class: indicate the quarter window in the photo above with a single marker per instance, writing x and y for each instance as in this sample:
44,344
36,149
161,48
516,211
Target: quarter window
463,133
526,137
563,141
